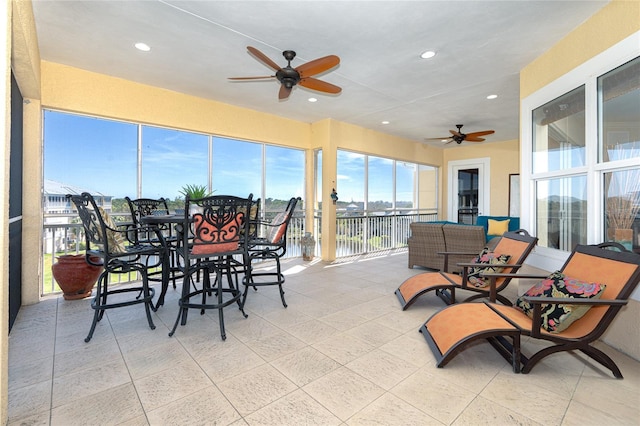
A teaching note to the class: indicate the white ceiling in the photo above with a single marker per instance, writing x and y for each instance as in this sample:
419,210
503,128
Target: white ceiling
196,45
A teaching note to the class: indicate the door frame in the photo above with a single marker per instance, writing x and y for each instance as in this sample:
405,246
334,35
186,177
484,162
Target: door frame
484,185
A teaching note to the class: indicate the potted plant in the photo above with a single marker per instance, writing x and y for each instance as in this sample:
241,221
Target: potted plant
195,191
75,276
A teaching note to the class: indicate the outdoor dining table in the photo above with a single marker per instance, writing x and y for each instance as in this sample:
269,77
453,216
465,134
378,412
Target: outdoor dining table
179,222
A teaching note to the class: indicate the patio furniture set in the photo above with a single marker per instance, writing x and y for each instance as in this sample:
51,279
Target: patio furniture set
569,309
212,250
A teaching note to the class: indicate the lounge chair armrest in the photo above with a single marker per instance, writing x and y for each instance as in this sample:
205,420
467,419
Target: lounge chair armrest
446,253
537,302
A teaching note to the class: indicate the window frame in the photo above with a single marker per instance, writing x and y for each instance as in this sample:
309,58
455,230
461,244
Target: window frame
585,74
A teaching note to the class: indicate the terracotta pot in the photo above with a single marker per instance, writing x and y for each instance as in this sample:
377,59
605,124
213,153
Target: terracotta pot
75,276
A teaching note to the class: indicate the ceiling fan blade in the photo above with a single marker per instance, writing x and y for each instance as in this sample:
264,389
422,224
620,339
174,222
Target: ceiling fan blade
319,85
284,92
438,139
263,58
251,78
454,133
318,65
473,139
482,133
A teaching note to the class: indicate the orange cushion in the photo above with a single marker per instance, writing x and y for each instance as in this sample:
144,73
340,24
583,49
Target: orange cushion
211,239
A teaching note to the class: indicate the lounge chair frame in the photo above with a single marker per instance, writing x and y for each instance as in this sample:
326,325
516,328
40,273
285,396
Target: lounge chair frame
445,283
514,324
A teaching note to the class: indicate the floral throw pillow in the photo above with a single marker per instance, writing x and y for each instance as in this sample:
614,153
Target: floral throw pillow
486,257
557,317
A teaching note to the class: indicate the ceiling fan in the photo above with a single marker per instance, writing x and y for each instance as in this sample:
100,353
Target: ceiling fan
289,76
459,137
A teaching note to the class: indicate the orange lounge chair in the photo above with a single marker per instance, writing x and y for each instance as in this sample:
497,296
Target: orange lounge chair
518,244
454,328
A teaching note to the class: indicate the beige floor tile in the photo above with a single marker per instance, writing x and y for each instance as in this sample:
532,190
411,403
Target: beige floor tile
29,372
169,385
155,359
223,360
86,356
294,409
118,404
255,389
391,410
274,346
374,333
361,343
343,320
29,400
207,406
343,392
611,398
305,365
579,414
382,368
343,347
434,395
312,331
38,419
411,348
483,412
89,381
255,327
285,318
514,391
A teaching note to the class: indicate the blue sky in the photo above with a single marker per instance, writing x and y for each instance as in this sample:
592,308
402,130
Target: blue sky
101,155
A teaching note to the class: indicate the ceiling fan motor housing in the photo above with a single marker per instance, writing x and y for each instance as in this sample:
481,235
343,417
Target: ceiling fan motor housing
288,76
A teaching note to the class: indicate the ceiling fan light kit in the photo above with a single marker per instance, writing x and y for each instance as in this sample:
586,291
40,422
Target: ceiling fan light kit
302,75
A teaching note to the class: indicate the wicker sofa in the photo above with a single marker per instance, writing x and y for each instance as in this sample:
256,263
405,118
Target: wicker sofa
429,238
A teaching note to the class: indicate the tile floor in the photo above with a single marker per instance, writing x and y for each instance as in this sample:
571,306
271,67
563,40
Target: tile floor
342,353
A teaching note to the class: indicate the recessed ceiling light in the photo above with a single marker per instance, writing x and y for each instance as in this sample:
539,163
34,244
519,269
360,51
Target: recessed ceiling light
492,96
142,46
313,100
428,54
385,122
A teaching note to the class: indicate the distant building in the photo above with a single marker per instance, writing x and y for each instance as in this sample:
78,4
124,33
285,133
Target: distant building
58,210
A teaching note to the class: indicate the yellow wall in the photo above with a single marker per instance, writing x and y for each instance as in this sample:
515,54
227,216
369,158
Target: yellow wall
616,21
505,160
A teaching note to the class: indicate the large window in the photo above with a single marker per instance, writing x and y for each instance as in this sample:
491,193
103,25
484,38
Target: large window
114,159
369,184
582,154
619,150
558,149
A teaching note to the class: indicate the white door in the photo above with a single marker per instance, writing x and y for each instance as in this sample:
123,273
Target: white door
469,188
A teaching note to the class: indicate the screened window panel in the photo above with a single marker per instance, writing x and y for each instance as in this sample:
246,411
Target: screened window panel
91,154
559,133
172,159
561,212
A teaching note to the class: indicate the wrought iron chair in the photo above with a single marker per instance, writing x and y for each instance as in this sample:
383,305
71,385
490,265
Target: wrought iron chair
142,207
213,241
119,255
609,272
272,246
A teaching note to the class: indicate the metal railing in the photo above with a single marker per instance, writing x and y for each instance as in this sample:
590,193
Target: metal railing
356,233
